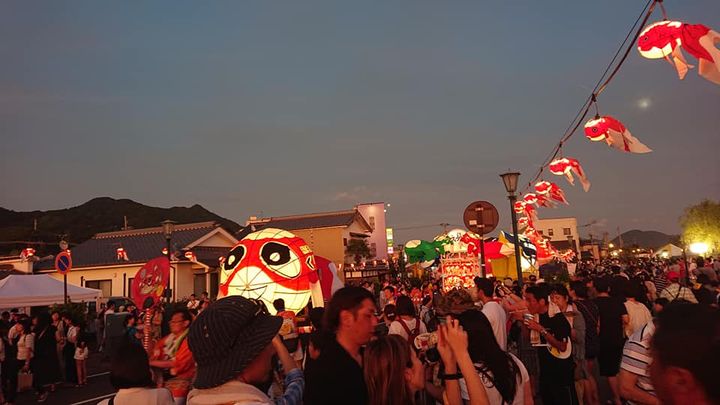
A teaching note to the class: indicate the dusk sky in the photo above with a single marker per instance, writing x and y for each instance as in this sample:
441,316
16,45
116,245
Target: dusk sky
277,108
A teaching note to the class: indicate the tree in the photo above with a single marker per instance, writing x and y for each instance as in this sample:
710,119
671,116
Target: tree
358,248
701,223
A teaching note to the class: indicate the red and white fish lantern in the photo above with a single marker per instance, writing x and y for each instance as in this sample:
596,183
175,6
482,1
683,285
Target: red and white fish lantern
614,133
667,38
27,253
121,254
523,222
267,265
519,207
190,255
567,167
551,191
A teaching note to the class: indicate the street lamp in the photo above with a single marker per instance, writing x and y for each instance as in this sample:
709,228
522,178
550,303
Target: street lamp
168,227
510,180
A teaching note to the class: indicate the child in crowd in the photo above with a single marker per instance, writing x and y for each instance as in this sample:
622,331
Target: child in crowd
81,355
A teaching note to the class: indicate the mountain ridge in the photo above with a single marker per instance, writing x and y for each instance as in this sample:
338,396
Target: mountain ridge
646,239
81,222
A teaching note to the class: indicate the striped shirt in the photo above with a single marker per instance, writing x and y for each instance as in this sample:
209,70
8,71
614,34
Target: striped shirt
636,357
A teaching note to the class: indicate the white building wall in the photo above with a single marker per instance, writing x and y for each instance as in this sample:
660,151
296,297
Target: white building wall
374,214
559,229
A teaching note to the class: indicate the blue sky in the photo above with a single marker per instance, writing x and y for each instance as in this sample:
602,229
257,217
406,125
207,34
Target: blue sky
276,108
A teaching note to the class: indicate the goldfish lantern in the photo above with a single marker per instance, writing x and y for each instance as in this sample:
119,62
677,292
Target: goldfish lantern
614,133
519,207
190,255
566,167
27,253
523,222
150,282
267,265
530,198
121,254
551,191
665,38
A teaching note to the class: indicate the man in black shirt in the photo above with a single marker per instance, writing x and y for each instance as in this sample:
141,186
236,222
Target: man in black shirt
337,376
557,385
613,318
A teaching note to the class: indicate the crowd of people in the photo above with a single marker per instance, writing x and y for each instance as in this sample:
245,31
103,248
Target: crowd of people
648,330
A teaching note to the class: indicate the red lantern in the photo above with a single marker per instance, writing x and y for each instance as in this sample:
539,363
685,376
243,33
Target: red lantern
121,254
267,265
667,38
614,133
566,167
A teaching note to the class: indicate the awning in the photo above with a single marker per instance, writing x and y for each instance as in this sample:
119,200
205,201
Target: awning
40,290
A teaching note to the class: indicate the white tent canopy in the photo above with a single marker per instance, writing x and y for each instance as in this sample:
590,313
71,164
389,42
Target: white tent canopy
40,289
670,250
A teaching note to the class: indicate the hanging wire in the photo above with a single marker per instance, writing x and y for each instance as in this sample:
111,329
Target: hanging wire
602,83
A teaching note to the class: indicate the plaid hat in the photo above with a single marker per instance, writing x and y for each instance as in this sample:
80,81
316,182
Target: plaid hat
227,336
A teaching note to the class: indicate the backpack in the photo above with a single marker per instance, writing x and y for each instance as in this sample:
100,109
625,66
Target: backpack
411,334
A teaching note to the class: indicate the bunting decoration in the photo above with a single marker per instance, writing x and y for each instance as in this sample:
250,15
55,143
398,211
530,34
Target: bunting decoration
667,38
614,133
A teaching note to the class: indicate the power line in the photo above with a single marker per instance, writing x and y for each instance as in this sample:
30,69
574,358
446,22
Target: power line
600,86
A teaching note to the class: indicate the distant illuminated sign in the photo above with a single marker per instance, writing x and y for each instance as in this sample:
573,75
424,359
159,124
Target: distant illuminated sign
389,237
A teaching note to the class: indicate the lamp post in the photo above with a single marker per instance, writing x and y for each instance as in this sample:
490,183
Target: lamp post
168,228
510,180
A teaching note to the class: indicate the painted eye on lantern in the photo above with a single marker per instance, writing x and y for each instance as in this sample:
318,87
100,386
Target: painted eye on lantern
310,262
281,259
234,257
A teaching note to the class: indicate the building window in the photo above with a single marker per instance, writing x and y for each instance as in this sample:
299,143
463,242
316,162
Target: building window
129,288
103,285
373,250
372,223
550,232
540,231
345,242
566,232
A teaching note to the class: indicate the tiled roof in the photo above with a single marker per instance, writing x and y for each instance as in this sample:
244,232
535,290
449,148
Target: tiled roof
210,256
309,221
140,245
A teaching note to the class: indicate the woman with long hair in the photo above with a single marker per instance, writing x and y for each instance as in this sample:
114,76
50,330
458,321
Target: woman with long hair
505,378
393,372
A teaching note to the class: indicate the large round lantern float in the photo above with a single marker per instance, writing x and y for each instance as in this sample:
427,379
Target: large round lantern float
267,265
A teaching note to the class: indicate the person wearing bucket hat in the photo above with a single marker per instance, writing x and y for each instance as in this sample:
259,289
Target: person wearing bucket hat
233,342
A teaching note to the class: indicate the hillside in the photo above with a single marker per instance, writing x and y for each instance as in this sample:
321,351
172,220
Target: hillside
80,223
646,239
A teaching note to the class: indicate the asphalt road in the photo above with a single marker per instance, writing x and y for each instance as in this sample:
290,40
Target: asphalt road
97,389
